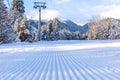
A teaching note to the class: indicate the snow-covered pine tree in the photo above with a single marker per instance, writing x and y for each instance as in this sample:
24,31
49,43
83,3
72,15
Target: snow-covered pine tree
18,5
17,16
6,32
20,24
17,10
53,30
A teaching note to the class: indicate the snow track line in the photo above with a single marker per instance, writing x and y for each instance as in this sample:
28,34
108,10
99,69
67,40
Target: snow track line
54,68
20,72
88,68
83,71
109,73
48,73
34,69
62,73
40,68
80,74
103,71
69,67
84,68
90,71
72,72
15,70
112,75
66,71
44,70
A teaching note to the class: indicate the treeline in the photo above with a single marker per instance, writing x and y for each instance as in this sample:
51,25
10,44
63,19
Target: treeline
103,29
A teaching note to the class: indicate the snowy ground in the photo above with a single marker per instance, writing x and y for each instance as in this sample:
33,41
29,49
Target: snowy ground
60,60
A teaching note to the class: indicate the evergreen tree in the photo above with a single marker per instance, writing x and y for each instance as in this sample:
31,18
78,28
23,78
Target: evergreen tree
6,32
18,6
20,24
17,10
50,31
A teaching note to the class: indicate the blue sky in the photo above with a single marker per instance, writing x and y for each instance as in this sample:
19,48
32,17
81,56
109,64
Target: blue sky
79,11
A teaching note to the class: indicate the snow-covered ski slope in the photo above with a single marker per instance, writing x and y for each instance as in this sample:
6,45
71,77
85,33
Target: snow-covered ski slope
60,60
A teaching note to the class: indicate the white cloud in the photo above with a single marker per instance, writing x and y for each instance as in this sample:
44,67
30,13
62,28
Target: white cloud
46,14
111,1
82,10
61,1
50,14
101,10
109,11
115,13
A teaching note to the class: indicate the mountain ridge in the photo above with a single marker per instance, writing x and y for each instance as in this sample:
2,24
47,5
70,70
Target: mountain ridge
64,24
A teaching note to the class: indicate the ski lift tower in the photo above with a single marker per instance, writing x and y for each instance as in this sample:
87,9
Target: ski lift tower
39,5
